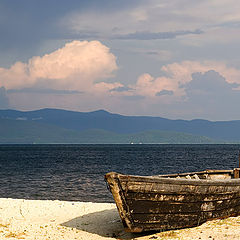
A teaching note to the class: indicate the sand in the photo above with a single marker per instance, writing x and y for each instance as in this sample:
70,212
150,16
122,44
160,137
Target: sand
60,220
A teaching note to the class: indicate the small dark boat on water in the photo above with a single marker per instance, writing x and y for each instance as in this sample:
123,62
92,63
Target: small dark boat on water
175,201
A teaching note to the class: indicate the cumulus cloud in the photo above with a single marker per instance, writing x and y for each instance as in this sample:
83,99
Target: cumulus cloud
186,90
211,95
76,66
209,82
183,89
175,76
149,86
182,72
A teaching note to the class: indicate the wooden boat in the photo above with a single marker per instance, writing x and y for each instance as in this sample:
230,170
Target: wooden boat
175,201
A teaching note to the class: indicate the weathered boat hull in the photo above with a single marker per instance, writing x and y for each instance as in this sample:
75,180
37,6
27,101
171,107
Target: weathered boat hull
167,202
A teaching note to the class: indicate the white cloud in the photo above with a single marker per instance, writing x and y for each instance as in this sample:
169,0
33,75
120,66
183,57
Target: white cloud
148,86
171,94
182,71
76,66
175,75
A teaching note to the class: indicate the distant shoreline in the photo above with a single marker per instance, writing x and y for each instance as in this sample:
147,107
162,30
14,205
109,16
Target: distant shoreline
135,144
58,126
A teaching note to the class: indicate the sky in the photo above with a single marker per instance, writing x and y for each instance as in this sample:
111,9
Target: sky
177,59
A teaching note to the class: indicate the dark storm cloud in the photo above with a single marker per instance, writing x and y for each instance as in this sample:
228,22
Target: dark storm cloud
3,99
26,23
156,35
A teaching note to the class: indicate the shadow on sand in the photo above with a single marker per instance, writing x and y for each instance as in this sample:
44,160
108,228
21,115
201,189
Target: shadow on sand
105,223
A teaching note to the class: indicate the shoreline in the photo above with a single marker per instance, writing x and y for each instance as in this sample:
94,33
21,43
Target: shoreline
68,220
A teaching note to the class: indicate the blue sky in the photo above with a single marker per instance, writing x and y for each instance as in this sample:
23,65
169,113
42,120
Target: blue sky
175,59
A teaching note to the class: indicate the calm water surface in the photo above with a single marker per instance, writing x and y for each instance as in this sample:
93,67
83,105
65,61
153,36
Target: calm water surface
76,172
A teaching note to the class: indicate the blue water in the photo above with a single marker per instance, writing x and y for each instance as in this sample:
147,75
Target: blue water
76,172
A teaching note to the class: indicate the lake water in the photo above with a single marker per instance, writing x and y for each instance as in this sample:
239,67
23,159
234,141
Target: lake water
76,172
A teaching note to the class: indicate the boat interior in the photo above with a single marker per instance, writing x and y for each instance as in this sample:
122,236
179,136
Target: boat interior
207,174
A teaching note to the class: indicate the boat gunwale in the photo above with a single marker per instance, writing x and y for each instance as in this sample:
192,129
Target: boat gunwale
178,181
208,171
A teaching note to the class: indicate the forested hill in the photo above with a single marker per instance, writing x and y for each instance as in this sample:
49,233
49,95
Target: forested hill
103,122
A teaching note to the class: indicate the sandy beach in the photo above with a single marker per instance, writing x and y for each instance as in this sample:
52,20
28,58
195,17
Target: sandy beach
62,220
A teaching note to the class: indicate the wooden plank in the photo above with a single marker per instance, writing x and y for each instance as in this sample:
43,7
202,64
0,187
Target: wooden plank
171,219
166,219
189,198
180,181
156,227
139,227
177,188
164,207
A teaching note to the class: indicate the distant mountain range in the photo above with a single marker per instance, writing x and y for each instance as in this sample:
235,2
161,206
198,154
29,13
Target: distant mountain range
62,126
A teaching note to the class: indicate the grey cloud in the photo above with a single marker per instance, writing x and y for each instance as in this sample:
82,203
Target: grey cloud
116,29
164,92
152,53
25,24
43,91
211,95
228,24
4,103
121,89
208,96
134,97
82,35
146,35
209,82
